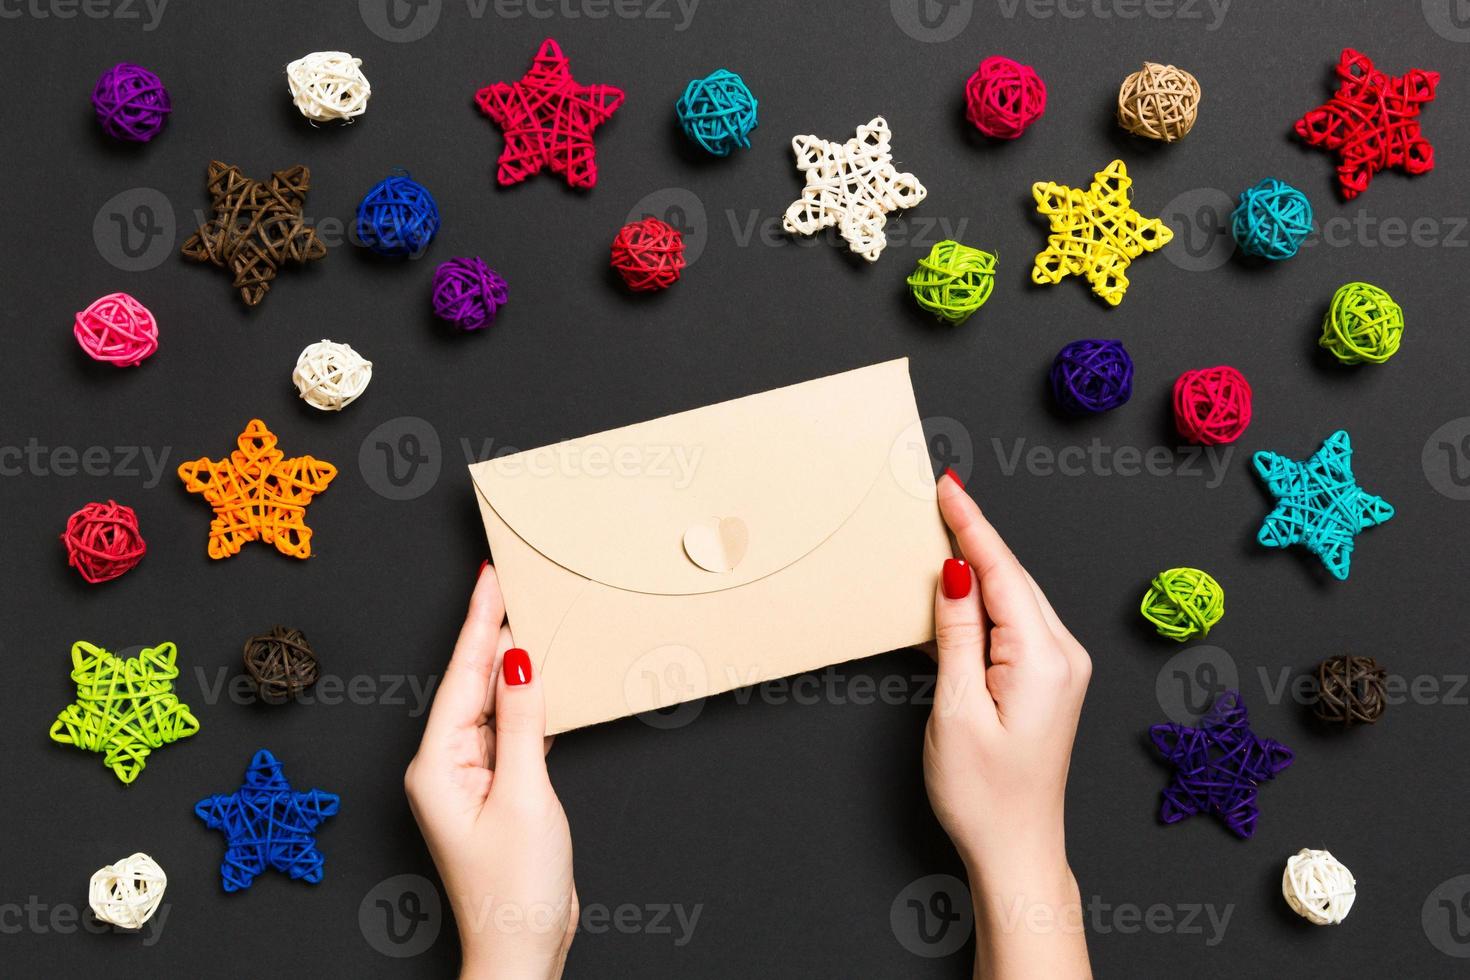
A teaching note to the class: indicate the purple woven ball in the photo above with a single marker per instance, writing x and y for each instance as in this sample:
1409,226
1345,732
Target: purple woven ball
467,293
1090,376
131,103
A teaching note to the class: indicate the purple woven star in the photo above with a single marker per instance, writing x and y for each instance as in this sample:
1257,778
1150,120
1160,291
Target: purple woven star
1219,766
268,824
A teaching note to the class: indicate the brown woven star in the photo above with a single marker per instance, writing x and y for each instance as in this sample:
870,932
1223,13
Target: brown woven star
257,227
258,494
281,663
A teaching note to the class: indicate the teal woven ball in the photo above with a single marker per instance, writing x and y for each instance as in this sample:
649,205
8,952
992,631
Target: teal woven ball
718,112
1272,220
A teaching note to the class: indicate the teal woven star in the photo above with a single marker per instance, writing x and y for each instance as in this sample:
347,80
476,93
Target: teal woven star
1319,503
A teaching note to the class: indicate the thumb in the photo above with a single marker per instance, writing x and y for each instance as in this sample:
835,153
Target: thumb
960,633
520,721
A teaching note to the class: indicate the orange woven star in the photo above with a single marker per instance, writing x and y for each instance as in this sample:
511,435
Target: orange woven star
258,494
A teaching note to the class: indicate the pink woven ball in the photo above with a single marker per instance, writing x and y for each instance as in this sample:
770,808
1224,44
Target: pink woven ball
117,330
1003,97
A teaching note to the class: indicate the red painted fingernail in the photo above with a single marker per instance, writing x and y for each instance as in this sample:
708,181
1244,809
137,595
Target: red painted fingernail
956,578
483,565
955,477
517,667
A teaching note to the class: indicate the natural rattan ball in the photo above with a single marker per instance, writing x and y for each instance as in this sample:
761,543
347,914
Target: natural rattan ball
1160,102
1318,887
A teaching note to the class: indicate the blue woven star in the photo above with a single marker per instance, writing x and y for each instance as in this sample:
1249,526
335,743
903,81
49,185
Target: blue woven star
268,824
1219,766
1319,504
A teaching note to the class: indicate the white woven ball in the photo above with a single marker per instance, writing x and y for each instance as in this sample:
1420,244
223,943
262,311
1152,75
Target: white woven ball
328,85
1318,887
126,894
330,375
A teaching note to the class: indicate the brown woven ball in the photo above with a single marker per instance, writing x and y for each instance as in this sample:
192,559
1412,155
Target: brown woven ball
1350,691
1160,102
280,663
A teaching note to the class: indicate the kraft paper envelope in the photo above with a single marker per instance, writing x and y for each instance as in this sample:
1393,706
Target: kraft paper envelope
718,548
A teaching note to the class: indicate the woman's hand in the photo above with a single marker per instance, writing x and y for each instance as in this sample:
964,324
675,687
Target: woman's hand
997,748
479,791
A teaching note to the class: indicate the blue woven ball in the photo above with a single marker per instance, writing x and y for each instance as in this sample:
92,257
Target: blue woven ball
1272,220
718,112
397,217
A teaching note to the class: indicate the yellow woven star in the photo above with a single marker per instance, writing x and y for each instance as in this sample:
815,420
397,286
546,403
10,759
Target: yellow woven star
1095,233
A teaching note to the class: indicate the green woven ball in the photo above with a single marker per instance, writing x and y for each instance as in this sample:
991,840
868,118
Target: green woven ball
1183,603
1363,325
953,280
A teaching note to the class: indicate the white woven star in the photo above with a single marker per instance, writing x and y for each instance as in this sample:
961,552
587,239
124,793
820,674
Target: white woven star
853,186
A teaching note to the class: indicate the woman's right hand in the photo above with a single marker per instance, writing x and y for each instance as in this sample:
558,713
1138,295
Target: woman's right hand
998,747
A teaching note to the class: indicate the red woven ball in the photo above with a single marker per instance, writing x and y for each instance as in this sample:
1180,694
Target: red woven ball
102,541
648,254
1212,405
1003,97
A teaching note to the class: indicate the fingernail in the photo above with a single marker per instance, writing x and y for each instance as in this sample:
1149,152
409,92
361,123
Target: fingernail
956,578
483,565
955,477
517,667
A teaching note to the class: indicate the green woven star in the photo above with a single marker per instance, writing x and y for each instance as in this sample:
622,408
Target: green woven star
124,708
1319,503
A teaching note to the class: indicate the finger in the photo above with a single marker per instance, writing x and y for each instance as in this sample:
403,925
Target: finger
1004,590
487,731
464,694
1053,621
520,723
960,630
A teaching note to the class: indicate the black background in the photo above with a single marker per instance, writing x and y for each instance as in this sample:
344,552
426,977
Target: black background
792,827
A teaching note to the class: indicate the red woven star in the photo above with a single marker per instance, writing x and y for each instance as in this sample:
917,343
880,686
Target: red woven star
548,120
1372,122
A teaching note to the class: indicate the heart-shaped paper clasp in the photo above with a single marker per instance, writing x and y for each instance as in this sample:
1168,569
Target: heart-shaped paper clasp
718,544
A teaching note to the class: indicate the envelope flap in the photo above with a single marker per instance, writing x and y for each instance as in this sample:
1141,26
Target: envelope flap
653,507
